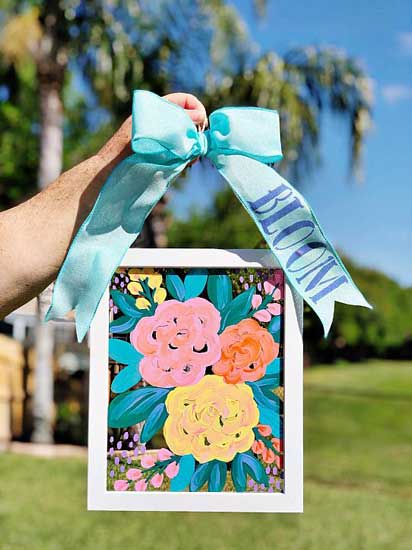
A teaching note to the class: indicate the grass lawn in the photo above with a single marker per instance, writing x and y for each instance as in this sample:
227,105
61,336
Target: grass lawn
358,484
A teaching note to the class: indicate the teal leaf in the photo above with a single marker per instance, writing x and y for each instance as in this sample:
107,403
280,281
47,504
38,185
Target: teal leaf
217,477
271,418
134,406
195,282
123,352
274,367
268,400
219,290
154,422
254,468
237,309
238,474
127,304
175,286
126,379
268,382
275,324
200,476
274,327
123,324
186,469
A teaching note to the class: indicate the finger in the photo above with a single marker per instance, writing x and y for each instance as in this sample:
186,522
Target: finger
192,105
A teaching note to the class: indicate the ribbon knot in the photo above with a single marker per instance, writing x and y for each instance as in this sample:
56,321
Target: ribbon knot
203,143
240,142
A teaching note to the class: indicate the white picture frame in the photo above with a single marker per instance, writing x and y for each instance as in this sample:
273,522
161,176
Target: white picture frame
291,500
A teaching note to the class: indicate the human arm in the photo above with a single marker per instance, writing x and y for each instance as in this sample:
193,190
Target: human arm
35,235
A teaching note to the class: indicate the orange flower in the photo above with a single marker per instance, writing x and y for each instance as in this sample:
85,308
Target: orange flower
247,349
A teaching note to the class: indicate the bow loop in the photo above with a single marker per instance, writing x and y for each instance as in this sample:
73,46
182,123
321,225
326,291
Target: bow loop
247,131
154,135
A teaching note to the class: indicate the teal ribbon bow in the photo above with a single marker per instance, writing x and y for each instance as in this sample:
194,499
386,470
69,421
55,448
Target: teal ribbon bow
241,142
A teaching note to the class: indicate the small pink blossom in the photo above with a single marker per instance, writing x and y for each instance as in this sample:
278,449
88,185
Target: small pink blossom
157,480
133,474
265,315
164,454
264,429
172,470
140,485
121,485
147,461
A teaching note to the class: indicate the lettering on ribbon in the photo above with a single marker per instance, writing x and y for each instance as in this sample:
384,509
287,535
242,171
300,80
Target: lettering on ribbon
309,261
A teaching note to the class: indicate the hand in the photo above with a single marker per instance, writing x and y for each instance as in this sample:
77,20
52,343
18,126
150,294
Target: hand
193,107
118,146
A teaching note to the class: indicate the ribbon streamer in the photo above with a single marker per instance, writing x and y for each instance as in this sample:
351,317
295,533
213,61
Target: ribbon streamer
241,142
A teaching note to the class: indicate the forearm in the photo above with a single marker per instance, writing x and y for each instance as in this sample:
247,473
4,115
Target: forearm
35,236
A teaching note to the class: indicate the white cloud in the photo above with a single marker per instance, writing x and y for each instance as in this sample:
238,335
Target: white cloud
405,42
393,93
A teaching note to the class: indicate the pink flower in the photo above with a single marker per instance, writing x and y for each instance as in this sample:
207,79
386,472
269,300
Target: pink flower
164,454
140,485
147,461
178,342
121,485
172,470
264,429
157,480
258,447
268,456
265,315
133,474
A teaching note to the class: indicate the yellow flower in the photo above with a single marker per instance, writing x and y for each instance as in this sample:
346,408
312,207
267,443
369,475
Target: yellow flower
211,419
154,281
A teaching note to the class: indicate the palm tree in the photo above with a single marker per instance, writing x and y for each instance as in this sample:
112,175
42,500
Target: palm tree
114,47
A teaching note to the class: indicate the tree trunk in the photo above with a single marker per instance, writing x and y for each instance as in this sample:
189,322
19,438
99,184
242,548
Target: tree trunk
50,165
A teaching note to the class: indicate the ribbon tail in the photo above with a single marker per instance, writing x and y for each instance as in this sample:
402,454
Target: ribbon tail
290,228
126,199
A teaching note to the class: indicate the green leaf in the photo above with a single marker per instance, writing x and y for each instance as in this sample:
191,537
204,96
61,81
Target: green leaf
123,352
195,282
219,290
186,469
123,324
247,464
275,324
127,304
268,382
154,422
237,309
175,286
268,400
200,476
126,379
274,367
134,406
254,468
238,474
217,478
270,417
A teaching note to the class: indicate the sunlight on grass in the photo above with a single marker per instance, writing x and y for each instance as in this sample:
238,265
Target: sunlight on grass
358,484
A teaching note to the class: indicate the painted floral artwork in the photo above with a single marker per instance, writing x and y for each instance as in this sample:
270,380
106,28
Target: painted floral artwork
195,365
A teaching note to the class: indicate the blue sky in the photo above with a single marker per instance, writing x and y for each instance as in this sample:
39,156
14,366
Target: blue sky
371,222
